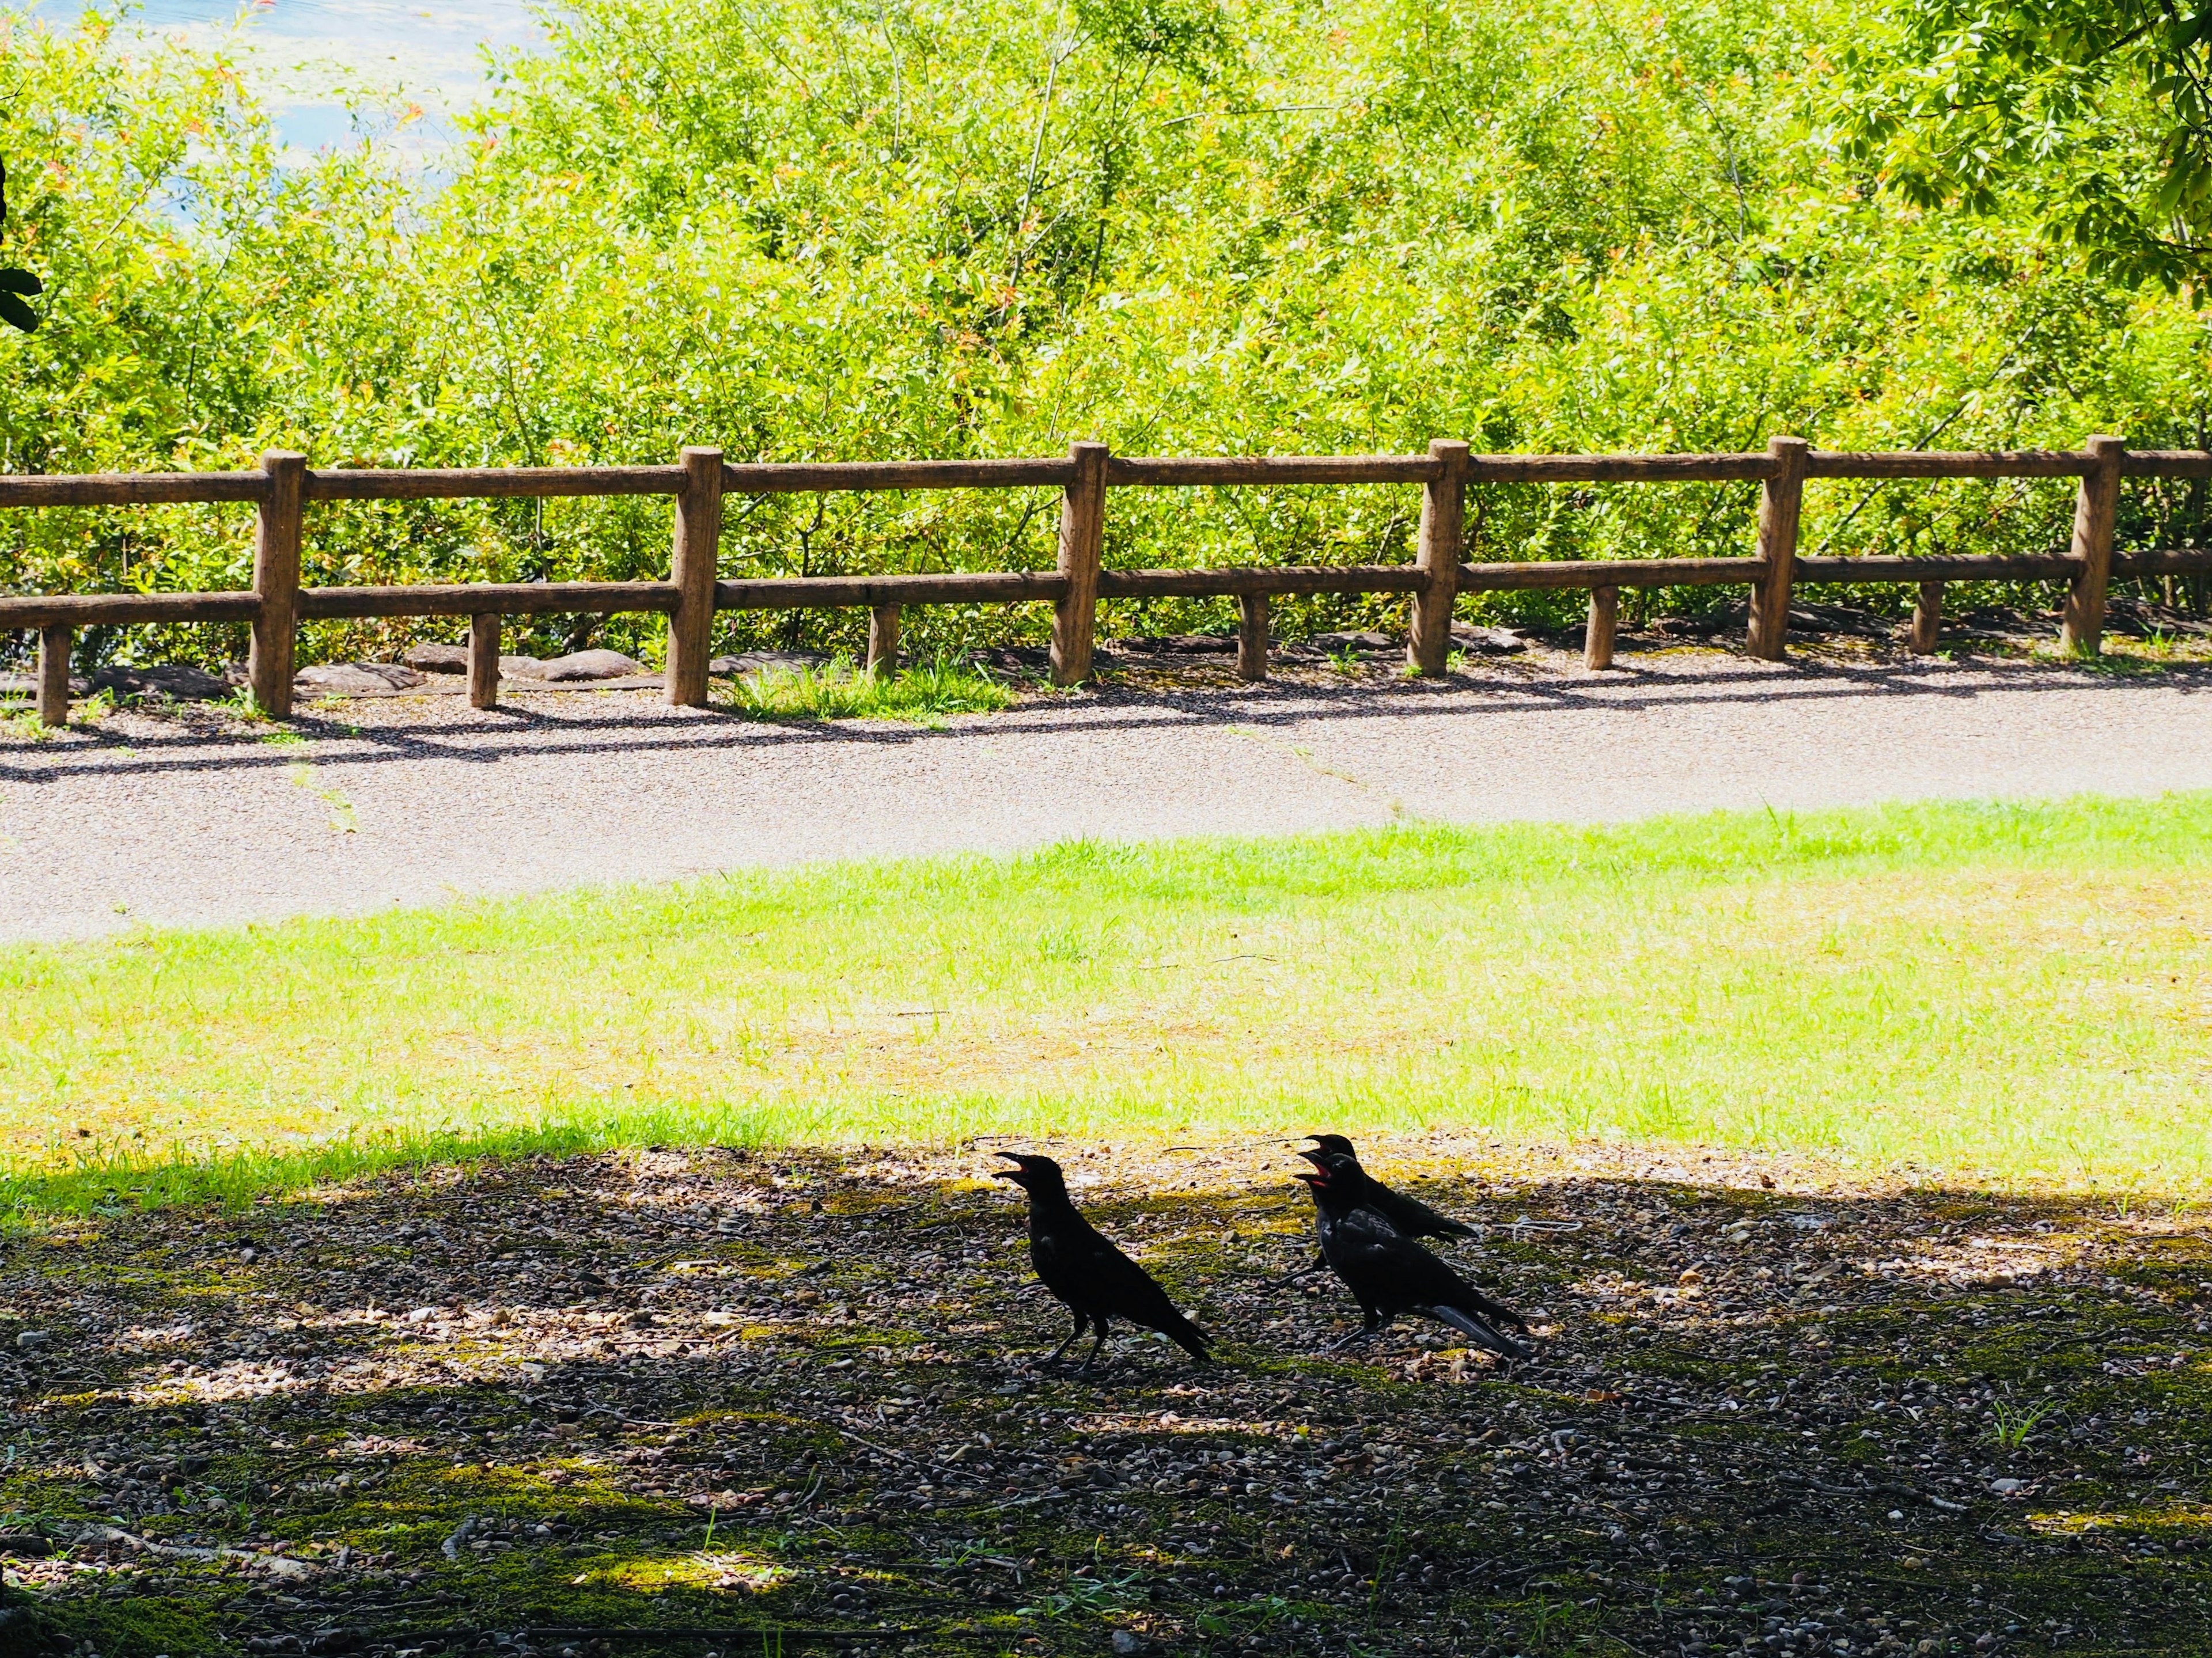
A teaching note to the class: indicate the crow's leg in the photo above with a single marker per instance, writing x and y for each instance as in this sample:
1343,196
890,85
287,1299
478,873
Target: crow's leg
1091,1357
1377,1321
1082,1323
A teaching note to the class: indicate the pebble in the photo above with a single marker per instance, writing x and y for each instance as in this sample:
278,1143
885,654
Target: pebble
28,1340
2006,1487
436,658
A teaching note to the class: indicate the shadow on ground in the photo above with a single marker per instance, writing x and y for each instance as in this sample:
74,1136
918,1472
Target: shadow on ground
718,1402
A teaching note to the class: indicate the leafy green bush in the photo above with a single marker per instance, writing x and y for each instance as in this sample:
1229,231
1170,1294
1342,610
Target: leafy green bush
934,228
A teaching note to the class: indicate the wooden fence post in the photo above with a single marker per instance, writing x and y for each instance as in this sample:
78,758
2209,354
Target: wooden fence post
1927,619
1781,499
483,659
1082,543
1604,620
1443,524
277,583
1252,637
2096,509
54,644
691,566
882,640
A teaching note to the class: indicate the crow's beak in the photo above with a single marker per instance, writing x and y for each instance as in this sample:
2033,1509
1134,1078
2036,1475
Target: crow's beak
1315,1181
1315,1138
1313,1157
1015,1173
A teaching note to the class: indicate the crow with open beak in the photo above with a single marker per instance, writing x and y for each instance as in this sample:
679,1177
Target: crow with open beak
1388,1272
1094,1278
1409,1215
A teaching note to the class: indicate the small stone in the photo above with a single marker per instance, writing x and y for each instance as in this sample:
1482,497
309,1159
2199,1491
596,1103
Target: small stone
1494,641
1691,1275
2006,1487
180,681
728,667
590,664
436,658
1897,1514
358,678
29,1339
1357,642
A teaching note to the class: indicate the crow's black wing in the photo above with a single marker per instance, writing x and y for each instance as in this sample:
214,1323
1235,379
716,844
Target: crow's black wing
1097,1276
1417,1220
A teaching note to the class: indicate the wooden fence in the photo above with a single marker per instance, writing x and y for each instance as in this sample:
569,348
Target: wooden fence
284,486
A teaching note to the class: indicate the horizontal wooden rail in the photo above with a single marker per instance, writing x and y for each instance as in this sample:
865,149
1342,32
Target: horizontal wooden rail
952,587
1618,469
1224,581
132,489
124,609
2166,463
1951,464
802,478
1247,470
491,598
495,482
1640,573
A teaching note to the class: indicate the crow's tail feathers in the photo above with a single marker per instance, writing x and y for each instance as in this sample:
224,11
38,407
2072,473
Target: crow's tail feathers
1185,1335
1476,1331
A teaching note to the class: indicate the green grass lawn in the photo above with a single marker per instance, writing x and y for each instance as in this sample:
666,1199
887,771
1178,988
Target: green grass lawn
2014,992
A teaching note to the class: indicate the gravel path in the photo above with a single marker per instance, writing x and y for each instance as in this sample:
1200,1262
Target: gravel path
195,819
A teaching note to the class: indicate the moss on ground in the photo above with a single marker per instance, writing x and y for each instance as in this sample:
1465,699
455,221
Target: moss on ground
585,1405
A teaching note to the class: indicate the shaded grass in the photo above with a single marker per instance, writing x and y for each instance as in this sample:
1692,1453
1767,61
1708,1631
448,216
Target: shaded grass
2013,990
925,692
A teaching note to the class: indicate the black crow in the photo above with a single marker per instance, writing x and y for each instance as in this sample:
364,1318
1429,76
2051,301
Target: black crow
1094,1279
1388,1272
1409,1215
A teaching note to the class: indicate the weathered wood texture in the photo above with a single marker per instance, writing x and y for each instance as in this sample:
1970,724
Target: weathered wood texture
882,640
825,592
1252,637
1960,567
1443,524
1619,468
483,659
499,597
2096,506
817,477
1626,573
1781,502
498,483
132,489
1236,579
54,643
1946,463
1927,619
119,609
691,570
276,582
1604,621
1082,543
1246,471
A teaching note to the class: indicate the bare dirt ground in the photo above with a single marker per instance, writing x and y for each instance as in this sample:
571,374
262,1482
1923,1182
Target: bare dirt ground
713,1401
193,816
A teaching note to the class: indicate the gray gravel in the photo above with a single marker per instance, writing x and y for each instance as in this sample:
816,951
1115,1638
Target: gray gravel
195,819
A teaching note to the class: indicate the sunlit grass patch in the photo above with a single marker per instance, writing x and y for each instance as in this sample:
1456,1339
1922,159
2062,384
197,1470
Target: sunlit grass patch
2013,991
923,693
